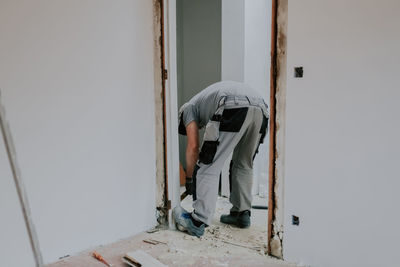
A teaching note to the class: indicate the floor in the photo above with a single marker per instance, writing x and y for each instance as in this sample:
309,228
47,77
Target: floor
221,245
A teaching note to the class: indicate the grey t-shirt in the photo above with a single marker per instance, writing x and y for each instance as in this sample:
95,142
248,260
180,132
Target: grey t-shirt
203,105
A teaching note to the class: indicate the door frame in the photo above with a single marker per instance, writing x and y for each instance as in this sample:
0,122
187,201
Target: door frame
166,96
278,73
277,116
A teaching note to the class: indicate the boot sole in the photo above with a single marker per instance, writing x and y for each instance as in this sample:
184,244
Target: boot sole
237,224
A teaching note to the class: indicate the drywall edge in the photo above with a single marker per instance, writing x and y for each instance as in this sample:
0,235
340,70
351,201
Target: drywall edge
171,95
158,98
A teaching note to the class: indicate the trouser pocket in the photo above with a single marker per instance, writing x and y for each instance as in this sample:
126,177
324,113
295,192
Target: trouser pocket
208,151
210,141
212,131
264,128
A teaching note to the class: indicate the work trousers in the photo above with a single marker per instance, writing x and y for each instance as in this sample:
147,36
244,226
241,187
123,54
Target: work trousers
237,129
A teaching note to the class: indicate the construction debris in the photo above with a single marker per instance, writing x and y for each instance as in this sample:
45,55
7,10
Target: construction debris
64,257
243,246
98,257
140,258
153,242
153,230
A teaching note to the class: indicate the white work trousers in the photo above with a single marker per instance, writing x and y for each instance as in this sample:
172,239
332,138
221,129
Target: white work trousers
237,130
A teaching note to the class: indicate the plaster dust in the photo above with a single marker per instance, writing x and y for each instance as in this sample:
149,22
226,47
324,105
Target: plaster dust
221,245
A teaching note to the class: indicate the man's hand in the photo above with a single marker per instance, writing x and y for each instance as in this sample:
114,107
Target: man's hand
189,186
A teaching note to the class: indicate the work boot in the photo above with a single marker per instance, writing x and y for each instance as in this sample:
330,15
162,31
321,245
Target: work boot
185,223
240,219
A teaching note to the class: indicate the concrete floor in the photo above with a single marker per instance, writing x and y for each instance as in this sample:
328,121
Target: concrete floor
222,245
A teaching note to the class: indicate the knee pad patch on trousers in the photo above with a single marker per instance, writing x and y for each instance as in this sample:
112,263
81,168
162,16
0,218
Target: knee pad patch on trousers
208,151
232,119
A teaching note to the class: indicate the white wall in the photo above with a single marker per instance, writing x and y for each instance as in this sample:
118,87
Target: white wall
77,78
233,34
246,35
257,42
342,145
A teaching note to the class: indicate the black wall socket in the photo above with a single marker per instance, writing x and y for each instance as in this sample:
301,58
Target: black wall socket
298,72
295,220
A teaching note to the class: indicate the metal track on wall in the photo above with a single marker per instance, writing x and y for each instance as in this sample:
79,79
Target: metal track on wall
22,196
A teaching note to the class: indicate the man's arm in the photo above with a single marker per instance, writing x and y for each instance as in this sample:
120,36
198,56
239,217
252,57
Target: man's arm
192,148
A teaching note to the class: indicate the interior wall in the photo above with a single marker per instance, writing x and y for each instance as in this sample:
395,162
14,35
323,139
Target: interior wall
199,50
77,77
233,40
257,41
342,147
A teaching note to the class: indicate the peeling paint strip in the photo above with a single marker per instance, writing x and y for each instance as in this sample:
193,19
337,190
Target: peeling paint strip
162,44
161,198
277,132
282,20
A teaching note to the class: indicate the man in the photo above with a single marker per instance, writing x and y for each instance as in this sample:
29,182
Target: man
236,120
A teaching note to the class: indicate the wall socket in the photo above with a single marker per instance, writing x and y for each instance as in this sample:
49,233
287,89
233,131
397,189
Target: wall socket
298,72
295,220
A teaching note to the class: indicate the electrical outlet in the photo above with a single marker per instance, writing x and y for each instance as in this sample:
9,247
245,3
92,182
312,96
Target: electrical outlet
295,220
298,72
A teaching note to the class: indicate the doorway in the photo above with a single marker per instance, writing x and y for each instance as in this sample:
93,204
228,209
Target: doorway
214,40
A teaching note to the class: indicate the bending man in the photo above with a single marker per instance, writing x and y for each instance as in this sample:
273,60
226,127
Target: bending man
236,120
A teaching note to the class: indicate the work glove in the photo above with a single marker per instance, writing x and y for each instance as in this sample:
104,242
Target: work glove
189,185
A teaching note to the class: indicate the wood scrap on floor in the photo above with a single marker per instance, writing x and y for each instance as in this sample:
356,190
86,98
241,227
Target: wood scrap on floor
153,242
153,230
139,258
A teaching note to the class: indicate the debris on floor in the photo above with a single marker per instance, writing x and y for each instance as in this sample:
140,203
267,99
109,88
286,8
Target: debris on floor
153,230
98,257
139,258
221,245
153,242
